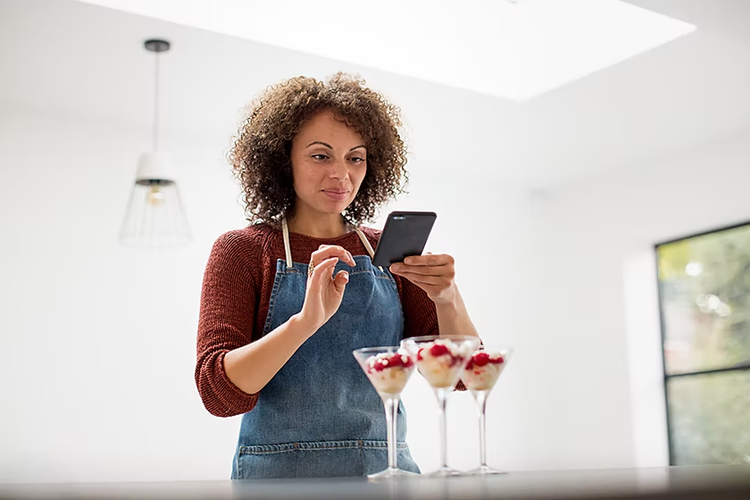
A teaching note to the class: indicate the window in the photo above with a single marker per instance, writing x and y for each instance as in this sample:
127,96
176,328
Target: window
704,300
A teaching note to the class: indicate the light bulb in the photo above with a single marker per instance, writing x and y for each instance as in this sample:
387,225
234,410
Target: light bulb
155,196
155,216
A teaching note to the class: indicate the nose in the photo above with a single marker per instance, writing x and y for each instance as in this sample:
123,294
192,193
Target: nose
338,170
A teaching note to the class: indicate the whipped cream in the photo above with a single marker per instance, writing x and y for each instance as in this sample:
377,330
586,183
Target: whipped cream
483,370
389,372
440,362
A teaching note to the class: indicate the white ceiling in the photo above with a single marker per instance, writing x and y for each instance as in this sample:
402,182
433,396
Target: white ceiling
70,57
504,48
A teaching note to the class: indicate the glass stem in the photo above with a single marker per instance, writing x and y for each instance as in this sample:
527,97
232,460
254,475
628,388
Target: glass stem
442,397
391,413
481,397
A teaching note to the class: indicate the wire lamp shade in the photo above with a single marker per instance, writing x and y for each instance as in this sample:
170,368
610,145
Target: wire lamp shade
155,215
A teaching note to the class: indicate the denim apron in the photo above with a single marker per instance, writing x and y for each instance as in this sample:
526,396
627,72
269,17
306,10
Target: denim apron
319,416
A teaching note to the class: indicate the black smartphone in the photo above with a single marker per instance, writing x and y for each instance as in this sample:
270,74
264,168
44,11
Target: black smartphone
404,234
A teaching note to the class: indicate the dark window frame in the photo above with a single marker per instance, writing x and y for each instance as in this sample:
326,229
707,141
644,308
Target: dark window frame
662,329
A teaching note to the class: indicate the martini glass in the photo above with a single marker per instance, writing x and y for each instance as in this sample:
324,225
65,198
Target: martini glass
388,369
440,360
480,374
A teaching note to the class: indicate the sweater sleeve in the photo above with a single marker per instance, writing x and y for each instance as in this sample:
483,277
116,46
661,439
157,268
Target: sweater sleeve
227,312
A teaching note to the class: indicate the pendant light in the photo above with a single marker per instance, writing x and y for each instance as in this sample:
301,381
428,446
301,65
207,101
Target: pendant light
155,216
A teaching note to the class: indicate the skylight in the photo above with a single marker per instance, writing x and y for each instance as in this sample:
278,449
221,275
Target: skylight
510,49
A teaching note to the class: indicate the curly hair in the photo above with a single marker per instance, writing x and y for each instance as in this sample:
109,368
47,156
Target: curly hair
261,154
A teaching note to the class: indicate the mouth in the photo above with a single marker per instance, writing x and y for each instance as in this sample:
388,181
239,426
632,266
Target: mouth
336,194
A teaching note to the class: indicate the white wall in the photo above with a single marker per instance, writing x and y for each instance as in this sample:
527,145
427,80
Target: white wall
601,310
99,340
490,231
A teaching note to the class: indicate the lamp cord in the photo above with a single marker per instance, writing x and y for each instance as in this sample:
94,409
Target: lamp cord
156,102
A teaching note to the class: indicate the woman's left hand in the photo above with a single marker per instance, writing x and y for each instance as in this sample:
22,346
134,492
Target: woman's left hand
432,273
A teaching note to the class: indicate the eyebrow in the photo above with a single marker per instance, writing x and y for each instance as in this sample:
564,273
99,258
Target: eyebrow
330,147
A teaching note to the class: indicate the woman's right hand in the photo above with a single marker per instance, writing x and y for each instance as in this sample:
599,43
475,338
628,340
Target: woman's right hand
325,291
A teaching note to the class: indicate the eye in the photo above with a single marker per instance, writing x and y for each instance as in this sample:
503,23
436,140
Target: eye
320,156
357,159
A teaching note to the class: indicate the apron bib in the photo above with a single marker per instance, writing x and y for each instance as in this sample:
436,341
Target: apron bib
319,416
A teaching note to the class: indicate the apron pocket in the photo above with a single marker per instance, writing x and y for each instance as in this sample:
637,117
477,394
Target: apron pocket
317,459
305,459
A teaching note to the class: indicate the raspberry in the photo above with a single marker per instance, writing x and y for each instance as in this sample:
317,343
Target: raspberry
379,364
481,359
439,350
403,360
395,360
498,360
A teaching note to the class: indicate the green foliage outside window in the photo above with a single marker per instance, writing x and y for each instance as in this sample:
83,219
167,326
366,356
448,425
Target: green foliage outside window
704,286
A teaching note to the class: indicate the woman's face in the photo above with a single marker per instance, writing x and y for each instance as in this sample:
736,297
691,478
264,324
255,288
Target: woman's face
329,162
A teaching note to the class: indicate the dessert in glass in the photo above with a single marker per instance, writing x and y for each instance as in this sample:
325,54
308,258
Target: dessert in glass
480,375
388,369
440,360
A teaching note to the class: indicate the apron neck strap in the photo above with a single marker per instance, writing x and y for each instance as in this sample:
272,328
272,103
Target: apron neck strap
365,242
287,246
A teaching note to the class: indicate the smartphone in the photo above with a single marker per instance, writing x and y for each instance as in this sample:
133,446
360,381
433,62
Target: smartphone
404,234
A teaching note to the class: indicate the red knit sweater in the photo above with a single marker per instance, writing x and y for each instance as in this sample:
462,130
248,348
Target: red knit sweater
236,294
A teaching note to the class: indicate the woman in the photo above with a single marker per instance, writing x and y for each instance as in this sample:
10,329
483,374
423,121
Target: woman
286,300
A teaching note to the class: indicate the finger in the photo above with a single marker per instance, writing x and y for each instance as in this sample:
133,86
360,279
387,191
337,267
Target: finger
340,281
323,271
444,270
430,289
429,260
328,251
419,279
328,247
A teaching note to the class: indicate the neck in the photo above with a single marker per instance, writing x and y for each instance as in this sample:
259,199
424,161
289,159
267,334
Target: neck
317,226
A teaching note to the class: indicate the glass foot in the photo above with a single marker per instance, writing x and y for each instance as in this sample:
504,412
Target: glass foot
391,472
445,472
484,471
